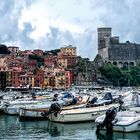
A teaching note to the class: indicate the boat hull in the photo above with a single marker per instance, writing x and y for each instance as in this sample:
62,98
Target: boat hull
135,126
124,122
79,115
33,114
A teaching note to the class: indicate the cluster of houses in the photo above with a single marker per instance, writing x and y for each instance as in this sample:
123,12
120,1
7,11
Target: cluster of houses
19,69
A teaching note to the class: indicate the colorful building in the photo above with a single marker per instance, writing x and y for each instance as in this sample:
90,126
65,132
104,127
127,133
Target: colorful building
16,77
16,69
3,63
2,80
69,50
31,77
39,78
38,52
66,61
50,61
14,50
9,78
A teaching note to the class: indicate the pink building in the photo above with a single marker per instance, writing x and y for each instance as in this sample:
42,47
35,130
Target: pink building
66,61
16,77
50,61
32,64
25,53
38,52
68,79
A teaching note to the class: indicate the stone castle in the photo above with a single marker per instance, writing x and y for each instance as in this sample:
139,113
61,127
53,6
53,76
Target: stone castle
116,53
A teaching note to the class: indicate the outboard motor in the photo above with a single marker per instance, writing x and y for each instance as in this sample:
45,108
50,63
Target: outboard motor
55,108
107,122
93,100
121,102
108,96
137,100
91,103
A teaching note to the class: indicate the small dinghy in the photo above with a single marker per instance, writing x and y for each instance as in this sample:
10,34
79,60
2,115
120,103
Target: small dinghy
125,121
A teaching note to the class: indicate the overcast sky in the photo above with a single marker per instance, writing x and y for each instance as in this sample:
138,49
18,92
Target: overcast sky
51,24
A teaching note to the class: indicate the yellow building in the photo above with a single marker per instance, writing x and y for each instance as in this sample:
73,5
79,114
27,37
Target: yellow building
31,79
46,82
62,62
69,50
60,79
9,78
3,62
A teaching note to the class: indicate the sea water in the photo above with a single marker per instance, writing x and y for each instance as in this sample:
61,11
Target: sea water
12,129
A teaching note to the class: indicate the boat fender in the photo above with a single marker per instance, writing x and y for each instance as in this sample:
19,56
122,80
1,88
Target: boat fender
80,98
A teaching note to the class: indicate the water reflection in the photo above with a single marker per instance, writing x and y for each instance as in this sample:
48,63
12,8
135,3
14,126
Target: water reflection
118,136
105,136
12,128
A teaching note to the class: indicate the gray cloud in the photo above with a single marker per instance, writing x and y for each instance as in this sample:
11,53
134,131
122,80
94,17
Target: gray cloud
10,12
57,38
122,15
24,35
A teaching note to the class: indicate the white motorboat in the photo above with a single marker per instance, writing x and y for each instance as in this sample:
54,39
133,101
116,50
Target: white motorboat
35,113
13,109
125,121
13,105
80,115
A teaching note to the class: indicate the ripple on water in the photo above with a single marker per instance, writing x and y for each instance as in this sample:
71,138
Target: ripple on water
12,129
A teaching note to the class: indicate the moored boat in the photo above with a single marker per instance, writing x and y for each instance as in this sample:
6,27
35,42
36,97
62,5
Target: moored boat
36,113
125,121
80,115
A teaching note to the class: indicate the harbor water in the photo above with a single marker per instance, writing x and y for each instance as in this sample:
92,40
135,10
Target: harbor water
13,129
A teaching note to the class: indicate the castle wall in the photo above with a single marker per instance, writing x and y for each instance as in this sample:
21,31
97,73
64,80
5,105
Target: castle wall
138,51
103,53
112,51
123,52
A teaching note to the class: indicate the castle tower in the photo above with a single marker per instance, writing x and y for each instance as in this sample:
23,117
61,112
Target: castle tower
104,35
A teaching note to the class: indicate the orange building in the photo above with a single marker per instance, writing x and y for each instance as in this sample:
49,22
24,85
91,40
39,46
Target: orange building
39,78
66,61
16,77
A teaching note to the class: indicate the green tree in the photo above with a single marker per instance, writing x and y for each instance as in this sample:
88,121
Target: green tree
126,76
4,49
40,60
112,73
